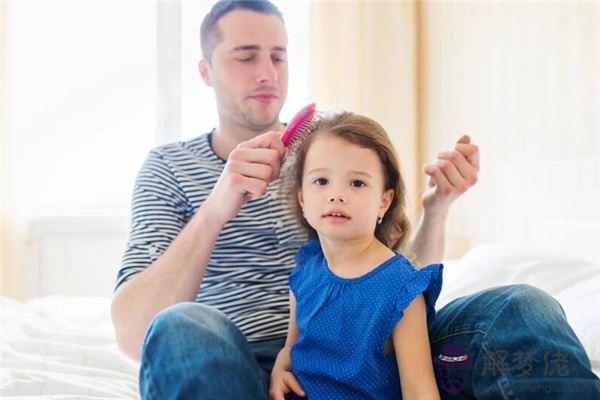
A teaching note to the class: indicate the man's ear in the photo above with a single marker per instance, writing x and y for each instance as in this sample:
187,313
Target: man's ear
204,69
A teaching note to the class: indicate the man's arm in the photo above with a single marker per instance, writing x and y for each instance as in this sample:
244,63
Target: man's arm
450,175
177,274
428,243
174,277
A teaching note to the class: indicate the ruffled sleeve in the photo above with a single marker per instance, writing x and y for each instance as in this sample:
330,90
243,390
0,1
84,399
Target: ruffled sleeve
308,251
426,280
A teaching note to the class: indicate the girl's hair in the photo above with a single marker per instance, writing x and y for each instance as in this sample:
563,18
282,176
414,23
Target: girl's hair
364,132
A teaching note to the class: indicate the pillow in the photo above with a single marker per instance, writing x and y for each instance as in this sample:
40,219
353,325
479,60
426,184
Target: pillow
574,283
581,304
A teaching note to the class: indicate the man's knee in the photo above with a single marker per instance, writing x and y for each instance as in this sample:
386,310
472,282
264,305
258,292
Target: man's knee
191,319
531,299
190,312
196,336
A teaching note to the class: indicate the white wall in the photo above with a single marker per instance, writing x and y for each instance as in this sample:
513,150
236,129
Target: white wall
524,81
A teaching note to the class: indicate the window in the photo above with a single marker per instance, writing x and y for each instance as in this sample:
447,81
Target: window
81,103
93,86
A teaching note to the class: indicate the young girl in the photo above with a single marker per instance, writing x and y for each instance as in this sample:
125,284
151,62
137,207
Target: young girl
359,312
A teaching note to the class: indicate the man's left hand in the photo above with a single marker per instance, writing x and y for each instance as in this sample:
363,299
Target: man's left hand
450,175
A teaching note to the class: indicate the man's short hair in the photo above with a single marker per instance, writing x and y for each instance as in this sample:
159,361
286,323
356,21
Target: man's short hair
210,35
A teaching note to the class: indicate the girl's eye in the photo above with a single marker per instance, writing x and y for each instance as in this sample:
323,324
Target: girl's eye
320,181
358,183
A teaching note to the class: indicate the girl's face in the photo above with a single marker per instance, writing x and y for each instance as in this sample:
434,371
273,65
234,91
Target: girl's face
342,193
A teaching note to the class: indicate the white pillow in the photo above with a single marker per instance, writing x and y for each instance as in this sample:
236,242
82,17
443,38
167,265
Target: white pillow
574,283
581,303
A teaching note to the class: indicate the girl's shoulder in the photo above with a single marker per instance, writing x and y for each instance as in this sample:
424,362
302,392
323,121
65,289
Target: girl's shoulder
413,280
411,273
305,270
308,251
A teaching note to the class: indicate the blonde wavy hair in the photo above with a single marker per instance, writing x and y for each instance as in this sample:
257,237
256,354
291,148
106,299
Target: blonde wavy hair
362,131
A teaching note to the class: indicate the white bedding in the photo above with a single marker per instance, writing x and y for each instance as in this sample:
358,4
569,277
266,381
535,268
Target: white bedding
574,283
64,347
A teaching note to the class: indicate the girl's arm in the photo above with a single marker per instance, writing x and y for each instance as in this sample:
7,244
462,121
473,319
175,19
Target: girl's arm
283,357
282,379
413,354
292,329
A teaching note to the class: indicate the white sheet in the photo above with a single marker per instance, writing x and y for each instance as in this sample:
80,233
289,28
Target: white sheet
63,348
60,347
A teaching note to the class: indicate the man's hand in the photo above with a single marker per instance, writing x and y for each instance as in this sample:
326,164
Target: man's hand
251,166
451,174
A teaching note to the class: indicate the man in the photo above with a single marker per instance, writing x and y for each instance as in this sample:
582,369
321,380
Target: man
201,296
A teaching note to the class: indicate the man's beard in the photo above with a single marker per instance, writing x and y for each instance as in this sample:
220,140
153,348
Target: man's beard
242,115
254,123
258,126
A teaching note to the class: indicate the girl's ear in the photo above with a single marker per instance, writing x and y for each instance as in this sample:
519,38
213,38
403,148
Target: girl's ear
386,201
300,197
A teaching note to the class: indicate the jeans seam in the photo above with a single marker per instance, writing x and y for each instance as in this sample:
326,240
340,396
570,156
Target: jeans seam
152,390
457,334
493,360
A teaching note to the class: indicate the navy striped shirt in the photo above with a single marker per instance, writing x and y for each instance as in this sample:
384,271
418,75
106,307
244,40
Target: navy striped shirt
246,276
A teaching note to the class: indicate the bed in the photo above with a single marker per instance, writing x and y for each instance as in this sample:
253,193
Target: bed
543,217
63,347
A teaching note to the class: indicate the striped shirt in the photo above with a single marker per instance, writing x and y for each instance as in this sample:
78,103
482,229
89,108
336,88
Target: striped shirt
246,276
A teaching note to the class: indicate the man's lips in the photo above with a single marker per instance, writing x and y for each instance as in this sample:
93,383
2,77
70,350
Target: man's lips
264,97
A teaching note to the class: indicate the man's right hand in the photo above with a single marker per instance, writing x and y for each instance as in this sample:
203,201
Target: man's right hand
251,166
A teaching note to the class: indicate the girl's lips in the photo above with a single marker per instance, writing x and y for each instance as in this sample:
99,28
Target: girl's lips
334,218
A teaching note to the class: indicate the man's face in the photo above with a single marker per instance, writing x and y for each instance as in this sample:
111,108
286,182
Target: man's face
248,69
351,184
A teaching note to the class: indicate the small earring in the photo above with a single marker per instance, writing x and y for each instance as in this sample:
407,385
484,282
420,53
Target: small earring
379,220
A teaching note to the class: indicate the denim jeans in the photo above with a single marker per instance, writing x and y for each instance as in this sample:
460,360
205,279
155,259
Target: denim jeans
509,342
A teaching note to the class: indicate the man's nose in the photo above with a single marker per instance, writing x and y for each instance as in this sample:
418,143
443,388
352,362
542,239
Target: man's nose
267,73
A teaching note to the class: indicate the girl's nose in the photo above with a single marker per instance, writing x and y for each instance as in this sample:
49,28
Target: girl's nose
337,199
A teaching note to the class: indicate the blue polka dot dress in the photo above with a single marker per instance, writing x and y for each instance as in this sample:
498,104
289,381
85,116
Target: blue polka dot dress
343,324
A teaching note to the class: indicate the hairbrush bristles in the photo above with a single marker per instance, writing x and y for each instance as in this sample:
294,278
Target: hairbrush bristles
299,127
295,134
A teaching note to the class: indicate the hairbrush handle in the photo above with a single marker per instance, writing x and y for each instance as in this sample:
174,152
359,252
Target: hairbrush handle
302,118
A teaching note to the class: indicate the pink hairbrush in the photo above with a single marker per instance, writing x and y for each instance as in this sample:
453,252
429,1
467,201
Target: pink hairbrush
299,127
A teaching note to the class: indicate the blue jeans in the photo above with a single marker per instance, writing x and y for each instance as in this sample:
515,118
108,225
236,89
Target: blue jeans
512,342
